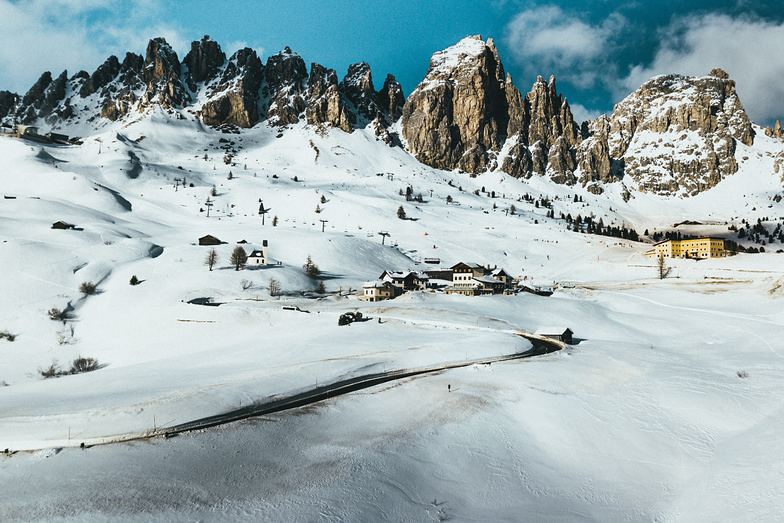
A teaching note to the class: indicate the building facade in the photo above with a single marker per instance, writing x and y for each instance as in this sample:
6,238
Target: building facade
377,291
695,248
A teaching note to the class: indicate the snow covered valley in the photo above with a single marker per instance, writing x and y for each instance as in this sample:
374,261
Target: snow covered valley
669,407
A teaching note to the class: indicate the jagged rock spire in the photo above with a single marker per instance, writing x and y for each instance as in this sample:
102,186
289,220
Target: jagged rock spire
203,61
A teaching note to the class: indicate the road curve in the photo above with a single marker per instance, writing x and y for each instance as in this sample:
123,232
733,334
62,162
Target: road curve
338,388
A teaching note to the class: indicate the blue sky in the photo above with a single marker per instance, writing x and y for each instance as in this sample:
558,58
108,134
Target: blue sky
599,50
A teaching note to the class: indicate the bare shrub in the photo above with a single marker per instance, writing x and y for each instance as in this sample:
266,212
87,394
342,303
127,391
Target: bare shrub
52,371
246,284
81,364
88,288
211,259
56,314
742,374
274,287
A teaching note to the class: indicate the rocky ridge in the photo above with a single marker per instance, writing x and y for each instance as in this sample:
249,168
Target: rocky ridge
675,135
240,91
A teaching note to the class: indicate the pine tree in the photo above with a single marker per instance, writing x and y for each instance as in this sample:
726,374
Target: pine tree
401,213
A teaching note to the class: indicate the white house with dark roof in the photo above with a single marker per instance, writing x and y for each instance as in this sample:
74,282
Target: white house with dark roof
258,257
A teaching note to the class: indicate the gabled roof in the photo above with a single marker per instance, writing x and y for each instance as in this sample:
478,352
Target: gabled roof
499,271
487,280
256,253
470,265
377,284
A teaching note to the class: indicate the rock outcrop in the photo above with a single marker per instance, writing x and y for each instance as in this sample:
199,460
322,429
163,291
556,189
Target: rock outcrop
8,102
203,61
161,75
122,94
678,134
775,131
233,98
325,103
105,73
458,116
391,98
285,78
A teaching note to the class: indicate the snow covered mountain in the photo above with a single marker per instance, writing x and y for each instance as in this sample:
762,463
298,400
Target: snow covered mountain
651,410
674,136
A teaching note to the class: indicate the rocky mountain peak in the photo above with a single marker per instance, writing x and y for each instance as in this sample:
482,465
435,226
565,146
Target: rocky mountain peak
162,75
391,98
325,102
285,77
678,134
458,115
357,87
203,61
233,97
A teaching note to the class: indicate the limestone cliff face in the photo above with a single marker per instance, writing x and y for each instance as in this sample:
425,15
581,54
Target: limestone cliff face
391,98
162,76
203,61
466,108
285,77
458,116
233,97
678,134
121,95
675,135
325,103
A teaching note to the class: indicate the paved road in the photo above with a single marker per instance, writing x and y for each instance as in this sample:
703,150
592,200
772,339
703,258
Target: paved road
339,388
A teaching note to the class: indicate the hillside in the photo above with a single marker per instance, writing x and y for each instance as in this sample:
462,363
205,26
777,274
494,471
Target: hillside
645,413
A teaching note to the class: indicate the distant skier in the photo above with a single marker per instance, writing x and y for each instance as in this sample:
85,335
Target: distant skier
449,387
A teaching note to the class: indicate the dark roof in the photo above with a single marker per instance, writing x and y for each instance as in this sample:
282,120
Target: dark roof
256,254
470,265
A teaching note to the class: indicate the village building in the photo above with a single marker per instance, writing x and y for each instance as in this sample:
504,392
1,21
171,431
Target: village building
209,240
468,288
378,290
258,256
501,275
465,272
561,333
441,273
63,225
489,285
406,280
695,248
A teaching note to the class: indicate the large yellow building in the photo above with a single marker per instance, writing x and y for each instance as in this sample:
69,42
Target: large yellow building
691,248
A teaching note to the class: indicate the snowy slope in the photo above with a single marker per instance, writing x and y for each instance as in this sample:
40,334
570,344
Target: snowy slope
636,422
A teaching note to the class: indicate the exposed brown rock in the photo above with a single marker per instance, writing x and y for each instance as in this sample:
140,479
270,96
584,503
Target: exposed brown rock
105,73
203,61
458,115
233,98
285,76
678,134
391,98
775,131
324,101
161,74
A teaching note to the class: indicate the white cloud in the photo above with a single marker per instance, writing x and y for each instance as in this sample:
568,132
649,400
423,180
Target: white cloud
582,113
750,49
545,40
53,35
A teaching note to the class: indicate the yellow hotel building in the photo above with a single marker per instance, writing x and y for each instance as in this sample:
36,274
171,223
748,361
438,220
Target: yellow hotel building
691,248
